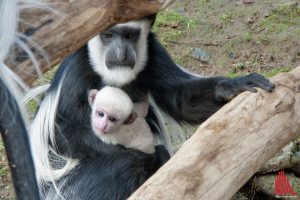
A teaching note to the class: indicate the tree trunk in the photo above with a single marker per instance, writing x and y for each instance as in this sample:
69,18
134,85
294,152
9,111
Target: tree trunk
66,27
230,146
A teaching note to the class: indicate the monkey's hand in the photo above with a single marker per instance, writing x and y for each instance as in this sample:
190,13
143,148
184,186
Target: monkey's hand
229,88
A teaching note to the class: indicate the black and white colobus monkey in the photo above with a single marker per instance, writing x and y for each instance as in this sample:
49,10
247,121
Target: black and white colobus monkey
126,56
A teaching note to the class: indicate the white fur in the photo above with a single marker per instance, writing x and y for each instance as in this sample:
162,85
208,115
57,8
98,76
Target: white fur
35,92
136,135
115,100
41,131
8,24
187,71
9,19
120,76
173,128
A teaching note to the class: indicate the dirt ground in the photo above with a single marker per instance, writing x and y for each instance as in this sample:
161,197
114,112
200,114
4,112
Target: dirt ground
6,188
239,36
234,37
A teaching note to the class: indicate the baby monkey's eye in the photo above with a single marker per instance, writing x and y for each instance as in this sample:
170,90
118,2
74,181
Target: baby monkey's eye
112,119
100,113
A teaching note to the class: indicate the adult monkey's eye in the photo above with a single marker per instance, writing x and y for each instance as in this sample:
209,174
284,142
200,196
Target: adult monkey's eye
130,36
107,35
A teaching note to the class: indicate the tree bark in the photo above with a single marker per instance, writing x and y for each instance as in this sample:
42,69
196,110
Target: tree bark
68,25
230,146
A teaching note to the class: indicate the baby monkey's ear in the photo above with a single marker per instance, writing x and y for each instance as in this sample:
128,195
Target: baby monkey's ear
131,118
92,95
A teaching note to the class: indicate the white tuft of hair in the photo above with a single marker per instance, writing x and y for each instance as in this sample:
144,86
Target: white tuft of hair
121,76
171,130
9,18
42,136
42,131
9,14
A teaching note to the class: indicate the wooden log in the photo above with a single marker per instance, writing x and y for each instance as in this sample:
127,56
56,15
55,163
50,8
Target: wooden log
71,25
230,146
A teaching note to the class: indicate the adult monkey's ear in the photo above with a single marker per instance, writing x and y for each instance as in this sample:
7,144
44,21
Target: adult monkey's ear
131,118
92,95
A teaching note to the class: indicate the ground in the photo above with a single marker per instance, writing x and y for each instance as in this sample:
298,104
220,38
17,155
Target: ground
234,36
221,37
6,188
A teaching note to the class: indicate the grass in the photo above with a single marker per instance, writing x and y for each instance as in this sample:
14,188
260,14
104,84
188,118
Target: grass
226,18
276,71
281,19
236,71
3,167
170,26
247,36
4,170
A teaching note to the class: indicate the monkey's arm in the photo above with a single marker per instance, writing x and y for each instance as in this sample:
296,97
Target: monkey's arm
187,97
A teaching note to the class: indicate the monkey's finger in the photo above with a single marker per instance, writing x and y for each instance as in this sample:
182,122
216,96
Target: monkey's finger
250,89
261,82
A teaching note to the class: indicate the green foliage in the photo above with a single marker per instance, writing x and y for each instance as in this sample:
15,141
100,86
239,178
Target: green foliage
232,75
247,36
4,170
276,71
1,146
3,167
226,17
32,106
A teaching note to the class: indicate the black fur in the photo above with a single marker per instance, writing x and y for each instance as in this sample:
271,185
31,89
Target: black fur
110,176
17,147
113,172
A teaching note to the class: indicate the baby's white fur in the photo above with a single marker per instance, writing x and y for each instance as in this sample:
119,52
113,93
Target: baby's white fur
136,135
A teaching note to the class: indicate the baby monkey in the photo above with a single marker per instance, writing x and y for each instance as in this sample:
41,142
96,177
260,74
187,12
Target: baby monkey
116,120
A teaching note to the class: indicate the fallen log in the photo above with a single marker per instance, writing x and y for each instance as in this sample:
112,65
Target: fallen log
230,146
65,26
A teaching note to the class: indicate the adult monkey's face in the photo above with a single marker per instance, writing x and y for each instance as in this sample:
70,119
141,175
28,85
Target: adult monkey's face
119,53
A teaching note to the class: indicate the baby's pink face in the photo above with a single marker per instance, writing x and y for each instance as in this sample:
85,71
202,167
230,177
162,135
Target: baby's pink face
104,122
